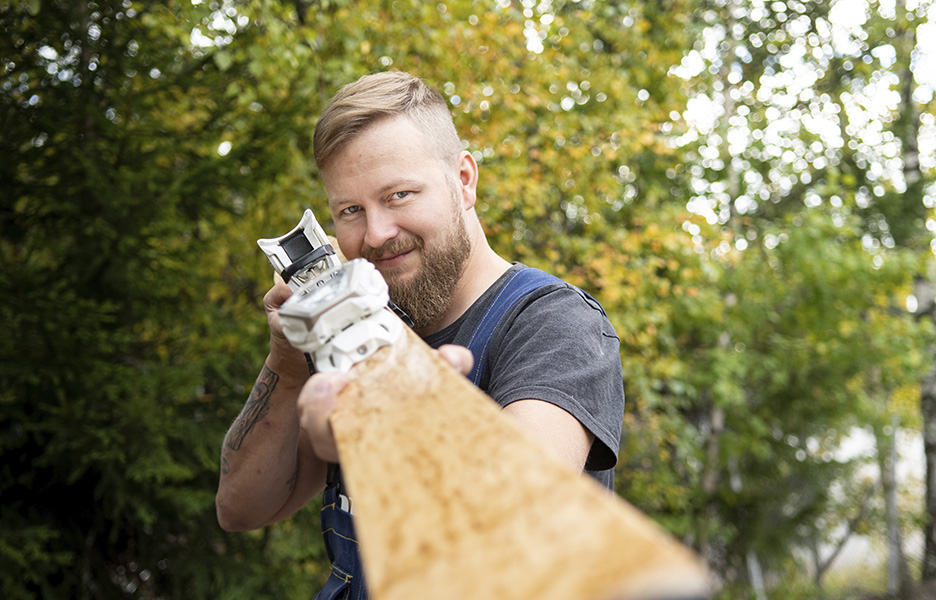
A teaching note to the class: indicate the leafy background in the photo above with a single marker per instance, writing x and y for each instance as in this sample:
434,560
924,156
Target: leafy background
747,186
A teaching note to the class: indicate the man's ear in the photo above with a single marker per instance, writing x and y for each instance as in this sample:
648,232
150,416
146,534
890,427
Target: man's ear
467,177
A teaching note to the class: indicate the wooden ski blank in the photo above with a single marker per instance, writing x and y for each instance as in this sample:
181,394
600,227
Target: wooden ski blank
452,501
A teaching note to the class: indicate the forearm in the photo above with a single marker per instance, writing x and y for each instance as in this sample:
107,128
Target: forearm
263,466
559,433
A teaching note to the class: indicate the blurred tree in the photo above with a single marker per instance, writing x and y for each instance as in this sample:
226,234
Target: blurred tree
131,322
784,123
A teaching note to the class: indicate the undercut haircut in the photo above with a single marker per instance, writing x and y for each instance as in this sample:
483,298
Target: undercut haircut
379,96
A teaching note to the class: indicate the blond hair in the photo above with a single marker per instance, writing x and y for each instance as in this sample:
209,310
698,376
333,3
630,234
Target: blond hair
379,96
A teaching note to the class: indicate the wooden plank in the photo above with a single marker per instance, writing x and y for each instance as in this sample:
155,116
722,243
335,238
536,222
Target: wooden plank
451,500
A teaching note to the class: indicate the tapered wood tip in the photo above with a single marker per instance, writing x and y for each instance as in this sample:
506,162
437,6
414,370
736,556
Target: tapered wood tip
685,578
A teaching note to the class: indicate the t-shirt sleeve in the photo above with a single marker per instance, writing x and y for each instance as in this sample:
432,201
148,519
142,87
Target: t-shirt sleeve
557,345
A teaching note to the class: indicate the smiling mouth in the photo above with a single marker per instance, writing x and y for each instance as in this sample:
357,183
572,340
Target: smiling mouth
392,253
392,259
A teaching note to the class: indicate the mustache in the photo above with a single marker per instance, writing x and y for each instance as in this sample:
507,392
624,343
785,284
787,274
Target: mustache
397,245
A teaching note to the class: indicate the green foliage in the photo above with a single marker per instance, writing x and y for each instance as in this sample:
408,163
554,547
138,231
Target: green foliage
803,335
130,326
757,291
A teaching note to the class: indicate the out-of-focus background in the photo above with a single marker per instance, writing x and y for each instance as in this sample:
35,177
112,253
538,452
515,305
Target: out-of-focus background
747,187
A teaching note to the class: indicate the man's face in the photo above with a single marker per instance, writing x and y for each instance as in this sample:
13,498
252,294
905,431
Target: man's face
399,206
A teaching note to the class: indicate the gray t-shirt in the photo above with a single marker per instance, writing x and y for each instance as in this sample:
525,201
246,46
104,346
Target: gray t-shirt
554,345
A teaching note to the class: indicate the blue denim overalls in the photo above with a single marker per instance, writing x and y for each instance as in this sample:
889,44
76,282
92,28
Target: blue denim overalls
346,580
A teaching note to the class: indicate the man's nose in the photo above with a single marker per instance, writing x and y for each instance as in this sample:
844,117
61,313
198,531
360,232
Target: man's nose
381,228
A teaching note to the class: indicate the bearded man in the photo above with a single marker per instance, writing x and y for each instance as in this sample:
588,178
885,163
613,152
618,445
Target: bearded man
402,193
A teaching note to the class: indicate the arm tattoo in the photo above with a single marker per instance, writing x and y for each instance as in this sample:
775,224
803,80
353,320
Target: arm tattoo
258,405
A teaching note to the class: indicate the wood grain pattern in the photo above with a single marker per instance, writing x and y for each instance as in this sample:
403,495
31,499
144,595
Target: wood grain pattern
452,501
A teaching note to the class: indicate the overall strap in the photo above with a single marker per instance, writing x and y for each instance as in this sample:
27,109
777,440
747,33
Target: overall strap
523,281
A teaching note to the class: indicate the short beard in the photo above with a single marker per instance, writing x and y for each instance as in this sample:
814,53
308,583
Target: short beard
427,295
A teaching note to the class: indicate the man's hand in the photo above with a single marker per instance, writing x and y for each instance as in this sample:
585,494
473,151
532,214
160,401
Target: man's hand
283,354
317,400
274,298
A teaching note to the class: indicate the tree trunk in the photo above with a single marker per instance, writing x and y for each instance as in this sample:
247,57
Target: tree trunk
756,574
926,299
928,407
899,581
710,479
907,129
823,565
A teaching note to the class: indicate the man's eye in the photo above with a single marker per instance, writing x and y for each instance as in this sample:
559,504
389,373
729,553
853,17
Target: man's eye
351,210
400,195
